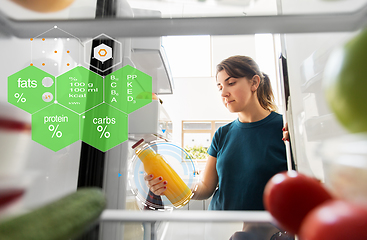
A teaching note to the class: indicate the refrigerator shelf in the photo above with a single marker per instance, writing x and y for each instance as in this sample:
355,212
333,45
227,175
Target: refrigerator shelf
150,27
186,216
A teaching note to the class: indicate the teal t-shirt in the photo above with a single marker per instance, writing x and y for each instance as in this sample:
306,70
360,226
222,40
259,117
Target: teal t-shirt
248,155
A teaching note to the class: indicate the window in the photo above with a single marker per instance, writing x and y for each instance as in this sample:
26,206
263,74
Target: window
191,58
197,136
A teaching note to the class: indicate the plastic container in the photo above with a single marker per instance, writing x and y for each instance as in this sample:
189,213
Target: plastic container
345,166
177,192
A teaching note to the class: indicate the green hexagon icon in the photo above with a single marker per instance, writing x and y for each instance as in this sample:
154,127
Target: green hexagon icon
55,127
128,89
79,89
104,127
31,89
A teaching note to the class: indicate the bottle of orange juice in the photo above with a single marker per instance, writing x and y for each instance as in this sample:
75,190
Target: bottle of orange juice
177,192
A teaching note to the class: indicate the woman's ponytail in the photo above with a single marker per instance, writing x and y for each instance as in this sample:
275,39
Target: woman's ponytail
265,93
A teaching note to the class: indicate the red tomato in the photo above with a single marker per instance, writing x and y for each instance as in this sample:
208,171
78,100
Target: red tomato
289,196
335,220
9,196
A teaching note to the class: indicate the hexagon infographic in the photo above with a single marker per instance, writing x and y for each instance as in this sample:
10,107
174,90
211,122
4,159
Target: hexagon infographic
55,127
79,89
104,127
80,104
31,89
128,89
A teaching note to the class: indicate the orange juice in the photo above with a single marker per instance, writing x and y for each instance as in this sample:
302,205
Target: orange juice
177,192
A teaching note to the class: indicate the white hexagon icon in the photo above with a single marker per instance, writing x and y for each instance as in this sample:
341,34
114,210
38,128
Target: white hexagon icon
102,52
103,49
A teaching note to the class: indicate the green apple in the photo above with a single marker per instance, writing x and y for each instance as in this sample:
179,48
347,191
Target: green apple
345,82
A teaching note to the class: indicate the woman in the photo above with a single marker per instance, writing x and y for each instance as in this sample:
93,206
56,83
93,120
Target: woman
247,152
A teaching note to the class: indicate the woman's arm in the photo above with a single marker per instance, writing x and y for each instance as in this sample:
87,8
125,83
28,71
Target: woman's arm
209,182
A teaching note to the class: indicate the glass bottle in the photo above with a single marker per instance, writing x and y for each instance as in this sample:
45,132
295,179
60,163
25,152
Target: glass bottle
177,192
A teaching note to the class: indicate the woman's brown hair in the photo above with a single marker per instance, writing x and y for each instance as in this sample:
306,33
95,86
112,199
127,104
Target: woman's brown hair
243,66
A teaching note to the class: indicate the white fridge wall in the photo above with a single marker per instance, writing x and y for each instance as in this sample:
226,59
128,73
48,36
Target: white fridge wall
50,174
54,174
308,106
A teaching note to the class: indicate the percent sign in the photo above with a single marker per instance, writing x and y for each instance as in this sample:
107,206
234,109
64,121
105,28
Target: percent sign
20,97
54,130
103,130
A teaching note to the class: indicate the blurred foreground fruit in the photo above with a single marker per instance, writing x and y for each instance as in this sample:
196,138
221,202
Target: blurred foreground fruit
63,219
335,220
289,196
9,196
44,5
345,83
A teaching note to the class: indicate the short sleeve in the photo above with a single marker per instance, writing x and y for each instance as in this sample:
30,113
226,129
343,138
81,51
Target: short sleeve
214,146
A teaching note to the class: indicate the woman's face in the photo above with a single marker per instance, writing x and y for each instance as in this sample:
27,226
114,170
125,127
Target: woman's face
236,93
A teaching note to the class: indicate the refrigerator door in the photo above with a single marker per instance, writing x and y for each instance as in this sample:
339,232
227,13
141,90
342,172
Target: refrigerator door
323,148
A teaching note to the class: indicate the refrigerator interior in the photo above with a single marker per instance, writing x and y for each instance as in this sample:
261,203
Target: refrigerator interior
317,139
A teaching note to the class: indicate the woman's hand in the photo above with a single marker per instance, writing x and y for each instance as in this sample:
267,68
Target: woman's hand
285,133
156,185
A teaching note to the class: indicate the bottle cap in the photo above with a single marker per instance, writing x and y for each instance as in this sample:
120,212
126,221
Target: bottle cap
138,143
